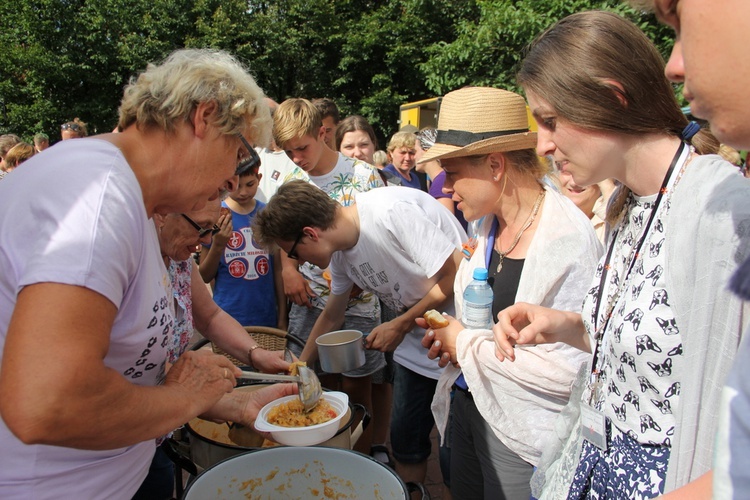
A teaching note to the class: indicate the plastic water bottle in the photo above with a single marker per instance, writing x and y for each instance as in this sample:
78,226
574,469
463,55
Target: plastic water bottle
477,310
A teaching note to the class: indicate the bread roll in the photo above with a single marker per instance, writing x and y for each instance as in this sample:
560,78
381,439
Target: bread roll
435,319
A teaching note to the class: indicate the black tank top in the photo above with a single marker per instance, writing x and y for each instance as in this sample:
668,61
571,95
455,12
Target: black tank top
505,284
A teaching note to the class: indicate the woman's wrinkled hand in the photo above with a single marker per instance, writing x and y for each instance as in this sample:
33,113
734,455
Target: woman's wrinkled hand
203,376
251,402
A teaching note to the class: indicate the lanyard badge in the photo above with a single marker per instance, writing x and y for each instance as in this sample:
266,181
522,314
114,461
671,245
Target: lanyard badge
468,248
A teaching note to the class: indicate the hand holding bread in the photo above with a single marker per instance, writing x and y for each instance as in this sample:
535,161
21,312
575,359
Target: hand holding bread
435,319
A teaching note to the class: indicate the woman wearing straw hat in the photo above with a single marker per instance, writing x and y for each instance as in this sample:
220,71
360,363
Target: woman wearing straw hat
658,319
538,247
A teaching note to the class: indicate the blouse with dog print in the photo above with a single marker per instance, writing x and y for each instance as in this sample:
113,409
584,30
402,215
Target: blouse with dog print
642,347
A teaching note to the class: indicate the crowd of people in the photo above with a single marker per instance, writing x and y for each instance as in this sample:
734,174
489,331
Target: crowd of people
614,237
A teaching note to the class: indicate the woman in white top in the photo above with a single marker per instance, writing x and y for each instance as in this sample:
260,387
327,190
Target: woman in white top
538,247
657,318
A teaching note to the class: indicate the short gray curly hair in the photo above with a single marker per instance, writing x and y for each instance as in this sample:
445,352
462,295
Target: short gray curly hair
167,93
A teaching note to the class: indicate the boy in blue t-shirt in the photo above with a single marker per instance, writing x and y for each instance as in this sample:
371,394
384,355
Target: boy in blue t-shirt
247,279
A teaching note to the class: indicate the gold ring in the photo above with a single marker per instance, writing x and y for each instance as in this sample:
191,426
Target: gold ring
226,373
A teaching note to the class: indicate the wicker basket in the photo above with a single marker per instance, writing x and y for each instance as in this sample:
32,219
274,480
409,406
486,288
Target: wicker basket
270,339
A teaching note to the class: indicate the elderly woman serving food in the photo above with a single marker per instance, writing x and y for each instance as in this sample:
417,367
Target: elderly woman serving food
85,315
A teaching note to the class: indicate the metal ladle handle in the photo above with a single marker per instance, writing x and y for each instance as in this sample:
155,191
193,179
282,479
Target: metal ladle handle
269,376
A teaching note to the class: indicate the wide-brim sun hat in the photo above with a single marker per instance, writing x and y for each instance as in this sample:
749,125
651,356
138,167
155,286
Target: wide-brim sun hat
480,120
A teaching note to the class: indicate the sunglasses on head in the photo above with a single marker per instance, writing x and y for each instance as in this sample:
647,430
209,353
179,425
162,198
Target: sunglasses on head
70,126
249,162
427,138
202,231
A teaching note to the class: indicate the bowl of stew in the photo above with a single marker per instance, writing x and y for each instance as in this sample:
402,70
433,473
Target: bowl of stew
287,422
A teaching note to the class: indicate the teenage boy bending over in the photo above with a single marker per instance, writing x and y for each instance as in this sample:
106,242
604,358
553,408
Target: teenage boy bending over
298,129
397,243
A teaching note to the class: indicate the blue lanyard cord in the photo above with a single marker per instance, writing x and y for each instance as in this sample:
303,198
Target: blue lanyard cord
490,243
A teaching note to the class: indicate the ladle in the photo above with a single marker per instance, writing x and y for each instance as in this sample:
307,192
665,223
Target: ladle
310,389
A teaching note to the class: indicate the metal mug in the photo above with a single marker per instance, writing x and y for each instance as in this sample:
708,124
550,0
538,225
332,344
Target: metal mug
341,351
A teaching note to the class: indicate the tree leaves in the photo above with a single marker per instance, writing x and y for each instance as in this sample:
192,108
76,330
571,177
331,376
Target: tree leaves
68,58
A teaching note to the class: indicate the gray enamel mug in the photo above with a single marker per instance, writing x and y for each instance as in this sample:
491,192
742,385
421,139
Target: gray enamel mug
341,351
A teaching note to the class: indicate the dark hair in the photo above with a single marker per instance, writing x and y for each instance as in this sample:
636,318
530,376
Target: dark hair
327,108
600,72
296,205
254,169
352,123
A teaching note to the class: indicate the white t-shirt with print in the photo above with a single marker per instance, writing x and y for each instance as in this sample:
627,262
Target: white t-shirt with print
404,240
347,179
642,343
75,215
276,169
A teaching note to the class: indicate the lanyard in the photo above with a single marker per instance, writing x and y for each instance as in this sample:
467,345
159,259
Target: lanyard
490,243
636,254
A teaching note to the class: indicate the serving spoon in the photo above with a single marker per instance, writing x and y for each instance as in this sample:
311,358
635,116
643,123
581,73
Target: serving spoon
308,383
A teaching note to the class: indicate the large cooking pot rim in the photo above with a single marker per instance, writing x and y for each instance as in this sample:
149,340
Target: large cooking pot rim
336,450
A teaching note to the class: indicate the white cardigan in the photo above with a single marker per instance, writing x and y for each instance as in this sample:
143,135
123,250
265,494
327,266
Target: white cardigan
521,399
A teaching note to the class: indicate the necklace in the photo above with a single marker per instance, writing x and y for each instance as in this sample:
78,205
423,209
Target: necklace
526,225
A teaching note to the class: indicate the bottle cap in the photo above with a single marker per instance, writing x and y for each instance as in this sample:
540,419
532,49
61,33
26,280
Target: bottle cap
480,273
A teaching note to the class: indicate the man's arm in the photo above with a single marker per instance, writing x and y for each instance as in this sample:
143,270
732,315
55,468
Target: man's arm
330,319
282,310
389,335
296,287
698,489
448,203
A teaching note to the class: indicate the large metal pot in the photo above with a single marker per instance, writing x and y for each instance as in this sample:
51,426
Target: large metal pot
210,443
298,473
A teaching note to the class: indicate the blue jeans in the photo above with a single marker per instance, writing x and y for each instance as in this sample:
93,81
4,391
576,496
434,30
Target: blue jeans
412,420
159,483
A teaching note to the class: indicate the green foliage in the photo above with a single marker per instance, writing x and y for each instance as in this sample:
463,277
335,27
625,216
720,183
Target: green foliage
68,58
489,49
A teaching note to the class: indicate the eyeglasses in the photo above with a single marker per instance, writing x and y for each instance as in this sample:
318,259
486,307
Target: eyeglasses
249,162
292,253
70,126
202,232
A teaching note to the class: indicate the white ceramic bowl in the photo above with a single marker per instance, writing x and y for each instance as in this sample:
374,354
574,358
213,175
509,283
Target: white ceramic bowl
304,436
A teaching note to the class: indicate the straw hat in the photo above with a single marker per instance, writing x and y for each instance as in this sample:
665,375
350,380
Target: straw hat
481,120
